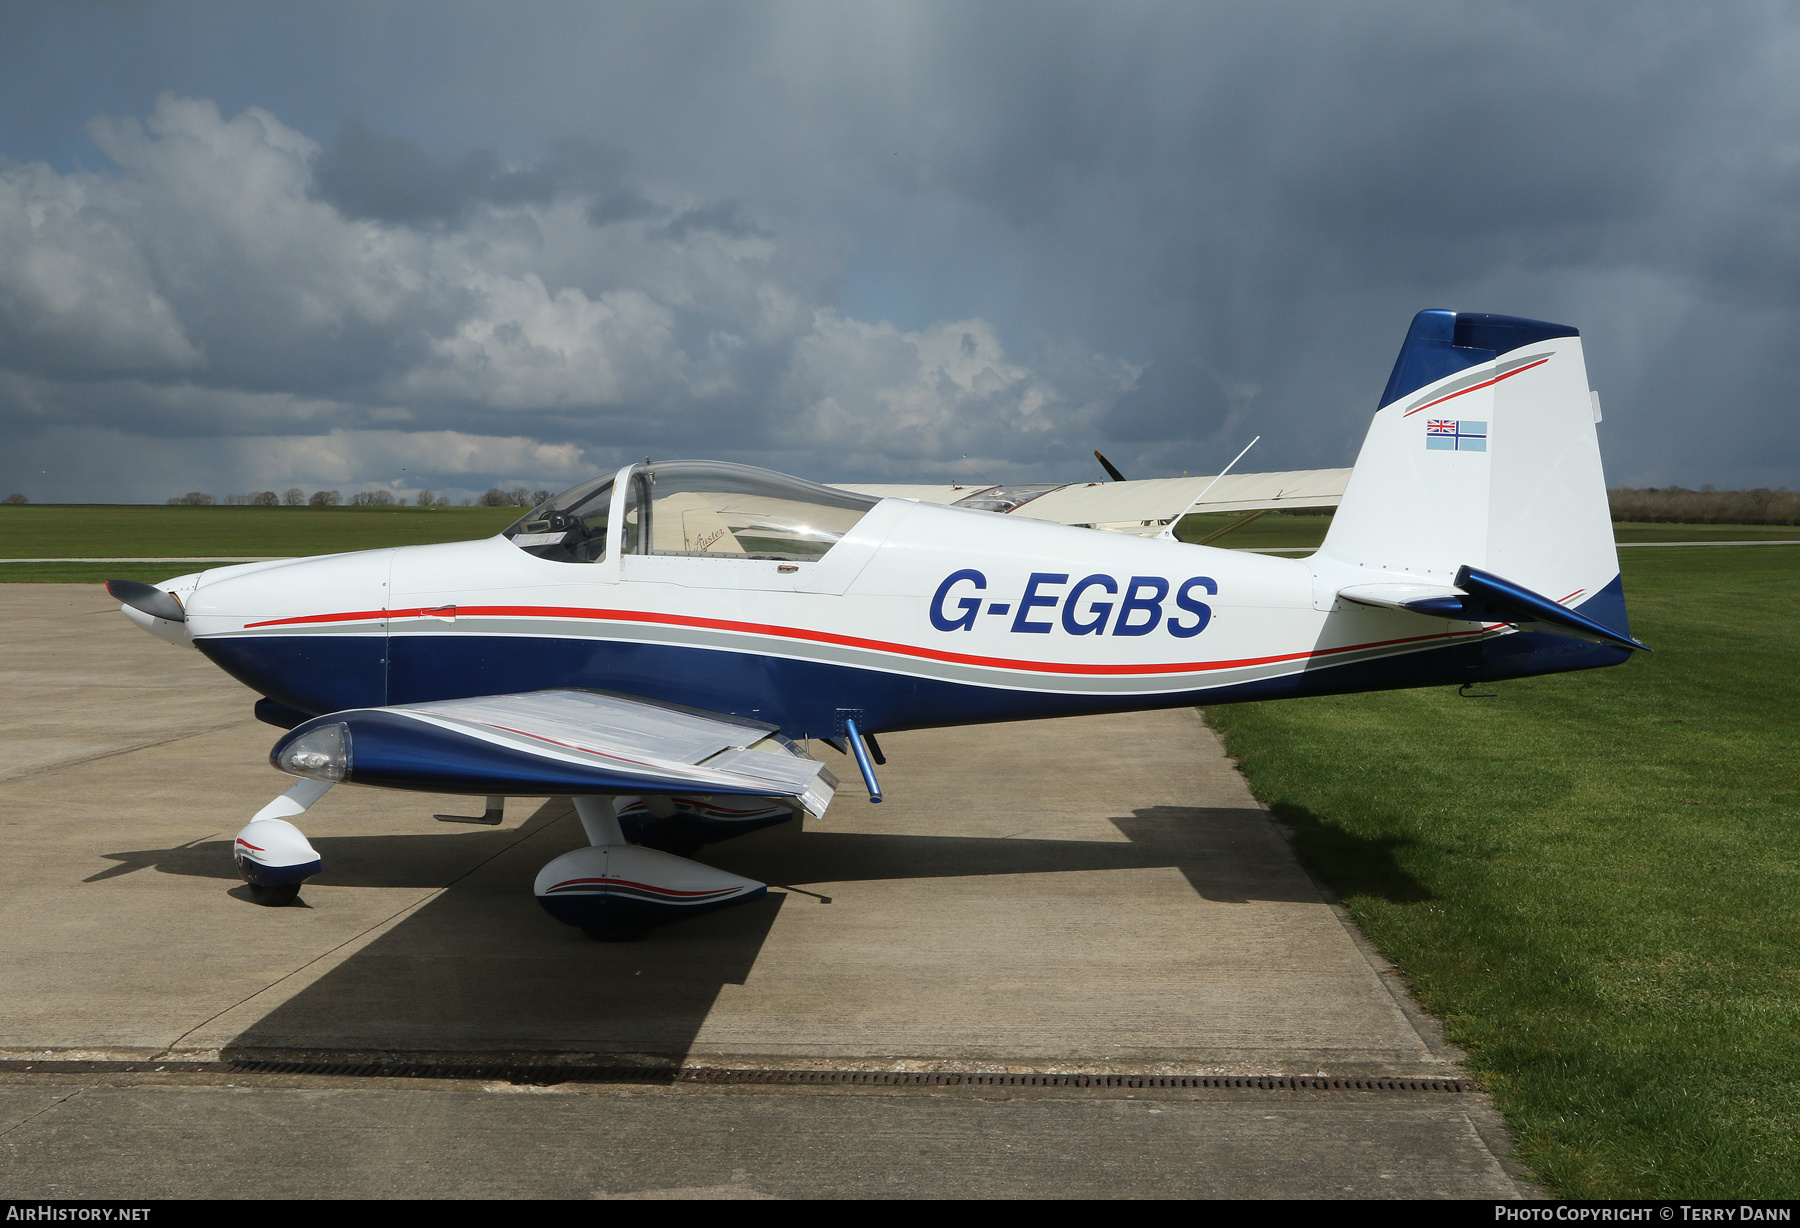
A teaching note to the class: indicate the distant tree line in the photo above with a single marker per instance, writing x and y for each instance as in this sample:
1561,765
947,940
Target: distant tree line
1678,505
296,497
518,496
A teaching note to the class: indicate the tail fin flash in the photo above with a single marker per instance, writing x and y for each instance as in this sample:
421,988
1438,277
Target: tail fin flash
1483,455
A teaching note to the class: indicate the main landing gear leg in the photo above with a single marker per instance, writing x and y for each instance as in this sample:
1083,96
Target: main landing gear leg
600,821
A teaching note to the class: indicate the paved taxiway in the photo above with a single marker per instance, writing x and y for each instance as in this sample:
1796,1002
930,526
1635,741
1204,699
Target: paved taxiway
1098,894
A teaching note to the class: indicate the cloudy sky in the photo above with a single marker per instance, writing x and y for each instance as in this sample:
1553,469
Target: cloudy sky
246,246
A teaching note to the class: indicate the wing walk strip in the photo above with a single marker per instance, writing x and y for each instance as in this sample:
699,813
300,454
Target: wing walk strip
827,647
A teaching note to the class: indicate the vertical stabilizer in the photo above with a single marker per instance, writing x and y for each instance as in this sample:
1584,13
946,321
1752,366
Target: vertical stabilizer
1483,454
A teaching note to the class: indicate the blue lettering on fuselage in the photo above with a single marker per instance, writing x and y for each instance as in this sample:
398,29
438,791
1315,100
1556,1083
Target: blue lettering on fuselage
1087,605
970,606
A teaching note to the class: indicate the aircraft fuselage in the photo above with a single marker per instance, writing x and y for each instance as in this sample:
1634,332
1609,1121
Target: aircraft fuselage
922,616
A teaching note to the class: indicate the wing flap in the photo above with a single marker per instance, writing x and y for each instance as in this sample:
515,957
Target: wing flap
803,779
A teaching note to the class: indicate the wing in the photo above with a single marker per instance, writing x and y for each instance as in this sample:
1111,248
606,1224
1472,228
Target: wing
1132,507
922,491
554,742
1162,499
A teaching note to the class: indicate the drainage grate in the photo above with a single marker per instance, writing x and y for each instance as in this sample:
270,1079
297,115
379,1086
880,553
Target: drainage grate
489,1071
76,1066
549,1073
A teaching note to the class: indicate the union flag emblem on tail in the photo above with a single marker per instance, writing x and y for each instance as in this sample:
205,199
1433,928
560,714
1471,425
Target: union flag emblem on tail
1446,435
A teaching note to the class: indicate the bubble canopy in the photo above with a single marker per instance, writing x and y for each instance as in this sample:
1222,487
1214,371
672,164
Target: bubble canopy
699,509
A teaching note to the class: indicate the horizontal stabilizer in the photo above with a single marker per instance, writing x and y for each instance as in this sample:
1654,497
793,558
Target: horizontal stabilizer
1494,599
1413,598
1481,596
557,742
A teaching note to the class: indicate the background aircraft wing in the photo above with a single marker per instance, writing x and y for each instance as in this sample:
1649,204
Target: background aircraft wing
560,742
923,492
1133,506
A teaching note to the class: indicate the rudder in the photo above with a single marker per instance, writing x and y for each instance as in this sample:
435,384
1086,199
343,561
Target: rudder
1483,454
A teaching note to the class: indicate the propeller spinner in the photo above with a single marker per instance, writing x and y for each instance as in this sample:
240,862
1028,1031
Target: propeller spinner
148,598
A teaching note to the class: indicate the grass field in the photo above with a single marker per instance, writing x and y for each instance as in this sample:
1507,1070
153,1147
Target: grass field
1275,532
1593,879
1628,531
49,531
40,531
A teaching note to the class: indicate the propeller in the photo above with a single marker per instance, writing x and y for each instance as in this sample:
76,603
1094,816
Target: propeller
148,598
1108,466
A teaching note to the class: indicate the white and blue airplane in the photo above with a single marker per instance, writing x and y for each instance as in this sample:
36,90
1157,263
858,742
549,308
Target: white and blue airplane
663,644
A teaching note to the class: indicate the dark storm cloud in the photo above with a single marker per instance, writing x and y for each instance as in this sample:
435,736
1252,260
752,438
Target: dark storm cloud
1173,392
625,204
726,218
386,178
1274,190
1157,230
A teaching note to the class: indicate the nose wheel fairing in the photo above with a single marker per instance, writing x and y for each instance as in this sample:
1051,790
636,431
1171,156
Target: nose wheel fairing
274,859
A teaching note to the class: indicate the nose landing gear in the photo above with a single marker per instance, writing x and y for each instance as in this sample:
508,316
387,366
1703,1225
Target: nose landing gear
274,859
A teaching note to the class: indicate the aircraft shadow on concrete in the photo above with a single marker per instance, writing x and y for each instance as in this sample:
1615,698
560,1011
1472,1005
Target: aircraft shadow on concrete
480,966
1217,849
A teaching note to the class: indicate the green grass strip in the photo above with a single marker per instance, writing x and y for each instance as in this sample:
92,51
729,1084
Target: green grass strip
1630,531
38,531
111,530
1593,879
1266,532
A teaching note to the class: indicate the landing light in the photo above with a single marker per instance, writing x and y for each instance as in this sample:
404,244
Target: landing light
322,754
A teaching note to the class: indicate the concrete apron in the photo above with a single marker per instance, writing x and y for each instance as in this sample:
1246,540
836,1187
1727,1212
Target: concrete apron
1095,894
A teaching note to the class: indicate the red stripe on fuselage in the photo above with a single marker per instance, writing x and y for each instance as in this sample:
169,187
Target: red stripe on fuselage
1484,384
851,641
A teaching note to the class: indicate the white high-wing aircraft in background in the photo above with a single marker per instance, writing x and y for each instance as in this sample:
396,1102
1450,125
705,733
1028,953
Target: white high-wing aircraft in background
661,644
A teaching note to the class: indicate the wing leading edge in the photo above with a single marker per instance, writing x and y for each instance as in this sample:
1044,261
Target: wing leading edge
575,742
